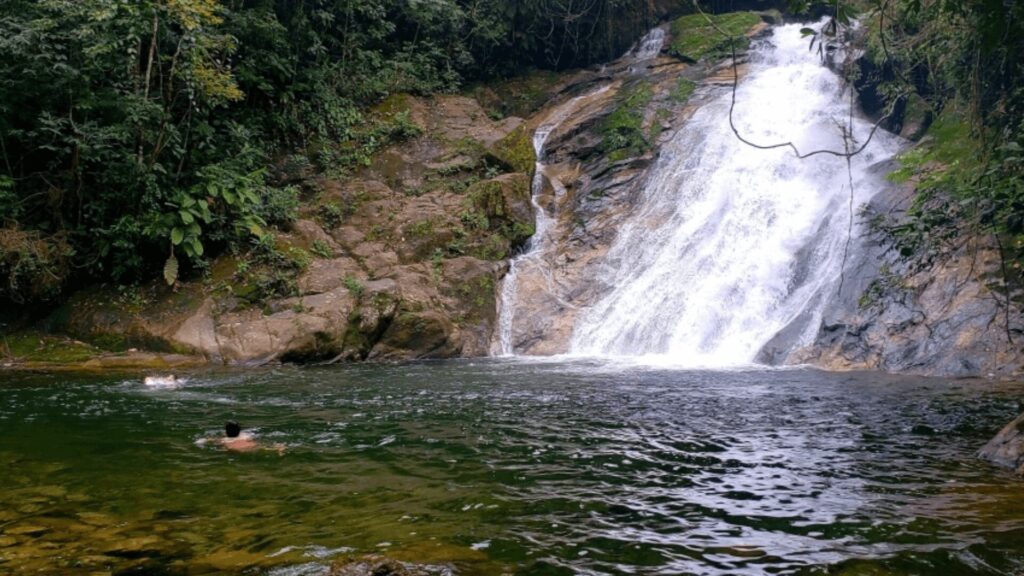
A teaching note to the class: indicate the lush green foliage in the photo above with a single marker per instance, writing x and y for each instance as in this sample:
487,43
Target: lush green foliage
622,134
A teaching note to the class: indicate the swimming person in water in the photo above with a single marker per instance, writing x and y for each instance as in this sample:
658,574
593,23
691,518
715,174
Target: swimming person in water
237,440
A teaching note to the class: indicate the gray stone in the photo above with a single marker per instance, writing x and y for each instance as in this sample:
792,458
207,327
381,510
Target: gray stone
1007,448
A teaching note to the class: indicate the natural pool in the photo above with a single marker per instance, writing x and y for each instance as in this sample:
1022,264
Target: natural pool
509,467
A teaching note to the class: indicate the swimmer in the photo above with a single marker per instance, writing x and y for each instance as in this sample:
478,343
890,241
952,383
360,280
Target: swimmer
171,381
237,440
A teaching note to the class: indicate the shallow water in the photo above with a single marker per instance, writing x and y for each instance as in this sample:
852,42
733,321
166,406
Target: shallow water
500,466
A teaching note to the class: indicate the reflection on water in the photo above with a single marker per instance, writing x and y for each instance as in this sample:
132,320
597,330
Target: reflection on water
505,467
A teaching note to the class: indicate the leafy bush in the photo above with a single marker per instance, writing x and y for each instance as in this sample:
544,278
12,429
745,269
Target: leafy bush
32,268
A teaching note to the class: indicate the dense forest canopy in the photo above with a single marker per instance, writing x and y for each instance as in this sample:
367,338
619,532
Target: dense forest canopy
136,135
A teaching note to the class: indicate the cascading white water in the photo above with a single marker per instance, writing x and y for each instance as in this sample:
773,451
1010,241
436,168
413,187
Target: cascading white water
649,46
729,243
541,243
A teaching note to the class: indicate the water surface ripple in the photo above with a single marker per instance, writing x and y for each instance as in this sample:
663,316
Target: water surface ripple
514,467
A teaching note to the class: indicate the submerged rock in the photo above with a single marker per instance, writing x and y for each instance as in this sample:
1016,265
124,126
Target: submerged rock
375,566
1007,448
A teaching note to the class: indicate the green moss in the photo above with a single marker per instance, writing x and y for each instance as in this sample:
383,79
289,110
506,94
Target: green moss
683,90
478,294
394,104
354,286
299,258
948,151
331,214
321,249
622,134
422,229
487,197
515,151
36,347
693,38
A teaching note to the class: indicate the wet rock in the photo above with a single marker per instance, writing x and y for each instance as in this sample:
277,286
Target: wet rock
426,334
375,566
31,530
941,319
1007,448
591,191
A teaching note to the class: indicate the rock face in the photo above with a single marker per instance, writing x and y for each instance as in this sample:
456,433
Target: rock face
940,319
398,261
1007,448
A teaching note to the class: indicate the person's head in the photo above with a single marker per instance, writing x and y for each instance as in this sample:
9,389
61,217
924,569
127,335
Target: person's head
232,429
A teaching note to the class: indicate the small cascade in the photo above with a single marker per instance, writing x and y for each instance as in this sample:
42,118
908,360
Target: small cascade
649,46
540,244
730,244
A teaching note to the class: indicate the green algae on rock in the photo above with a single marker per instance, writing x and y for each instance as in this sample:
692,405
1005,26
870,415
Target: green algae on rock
694,38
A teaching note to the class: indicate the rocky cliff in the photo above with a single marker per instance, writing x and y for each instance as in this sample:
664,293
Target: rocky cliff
944,316
397,261
1007,448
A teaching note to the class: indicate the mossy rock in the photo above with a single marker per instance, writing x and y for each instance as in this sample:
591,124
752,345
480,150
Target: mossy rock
683,89
514,152
622,131
36,347
424,237
394,104
521,96
917,118
505,197
694,38
504,204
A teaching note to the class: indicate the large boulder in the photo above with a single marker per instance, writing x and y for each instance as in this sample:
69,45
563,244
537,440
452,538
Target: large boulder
1007,448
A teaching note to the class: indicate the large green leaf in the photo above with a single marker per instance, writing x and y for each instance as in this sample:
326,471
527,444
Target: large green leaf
171,270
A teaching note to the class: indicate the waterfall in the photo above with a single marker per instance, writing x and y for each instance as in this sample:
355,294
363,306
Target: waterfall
541,244
730,244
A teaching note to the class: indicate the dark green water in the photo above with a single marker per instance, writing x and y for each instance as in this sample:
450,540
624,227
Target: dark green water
498,467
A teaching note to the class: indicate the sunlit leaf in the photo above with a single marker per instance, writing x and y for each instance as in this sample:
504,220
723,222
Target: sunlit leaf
171,270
